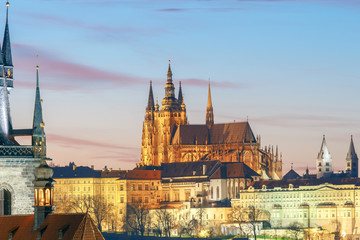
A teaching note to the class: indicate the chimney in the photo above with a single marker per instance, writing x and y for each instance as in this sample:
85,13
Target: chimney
204,169
92,167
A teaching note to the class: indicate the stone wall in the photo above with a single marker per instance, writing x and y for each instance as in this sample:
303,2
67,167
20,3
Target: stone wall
17,175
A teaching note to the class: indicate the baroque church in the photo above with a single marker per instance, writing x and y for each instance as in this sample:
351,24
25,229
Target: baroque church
167,137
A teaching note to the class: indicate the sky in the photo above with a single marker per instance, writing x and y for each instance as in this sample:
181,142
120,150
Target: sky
291,67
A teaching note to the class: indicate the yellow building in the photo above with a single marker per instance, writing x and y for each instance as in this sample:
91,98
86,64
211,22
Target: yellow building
82,189
167,137
320,205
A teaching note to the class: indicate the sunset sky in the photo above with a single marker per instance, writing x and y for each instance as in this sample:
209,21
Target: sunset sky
290,66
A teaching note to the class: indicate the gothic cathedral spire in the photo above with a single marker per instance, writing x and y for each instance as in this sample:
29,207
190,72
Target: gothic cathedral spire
352,160
5,119
38,135
209,111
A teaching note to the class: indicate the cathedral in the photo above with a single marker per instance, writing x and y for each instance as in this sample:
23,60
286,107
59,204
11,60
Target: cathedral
167,137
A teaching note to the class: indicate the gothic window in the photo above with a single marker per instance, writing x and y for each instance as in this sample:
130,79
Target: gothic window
5,202
217,192
47,196
212,192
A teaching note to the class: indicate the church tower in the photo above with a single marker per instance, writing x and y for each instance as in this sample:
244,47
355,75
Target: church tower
160,124
209,111
352,161
324,161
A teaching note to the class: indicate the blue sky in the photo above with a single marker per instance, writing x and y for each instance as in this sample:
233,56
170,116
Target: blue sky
291,67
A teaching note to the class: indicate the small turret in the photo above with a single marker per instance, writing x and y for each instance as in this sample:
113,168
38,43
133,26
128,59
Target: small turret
43,186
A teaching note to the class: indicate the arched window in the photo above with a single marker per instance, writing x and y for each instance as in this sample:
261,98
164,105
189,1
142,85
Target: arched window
5,202
47,197
36,197
212,192
217,192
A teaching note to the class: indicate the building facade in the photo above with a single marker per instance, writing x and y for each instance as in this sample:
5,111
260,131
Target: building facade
167,137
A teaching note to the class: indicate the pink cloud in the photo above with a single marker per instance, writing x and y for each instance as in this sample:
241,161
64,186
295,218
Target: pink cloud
69,141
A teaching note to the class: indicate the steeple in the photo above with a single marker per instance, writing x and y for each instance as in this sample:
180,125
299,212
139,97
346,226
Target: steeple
324,161
150,106
180,96
38,135
6,50
209,111
352,160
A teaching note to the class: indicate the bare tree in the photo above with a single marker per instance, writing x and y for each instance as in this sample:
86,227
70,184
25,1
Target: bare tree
137,218
165,220
294,230
186,224
248,218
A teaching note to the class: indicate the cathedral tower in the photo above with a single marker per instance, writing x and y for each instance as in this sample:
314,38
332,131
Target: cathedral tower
324,161
160,123
352,161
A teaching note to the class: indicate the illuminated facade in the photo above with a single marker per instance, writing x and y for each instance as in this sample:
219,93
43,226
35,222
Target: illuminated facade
167,137
332,205
76,185
17,162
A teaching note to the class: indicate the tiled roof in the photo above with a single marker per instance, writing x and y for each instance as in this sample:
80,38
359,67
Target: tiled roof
73,171
185,169
219,133
142,175
72,226
304,182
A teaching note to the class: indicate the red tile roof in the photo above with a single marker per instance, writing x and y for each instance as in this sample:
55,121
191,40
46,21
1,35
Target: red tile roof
72,226
142,175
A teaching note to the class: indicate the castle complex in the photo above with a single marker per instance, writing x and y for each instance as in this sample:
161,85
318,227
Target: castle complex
167,137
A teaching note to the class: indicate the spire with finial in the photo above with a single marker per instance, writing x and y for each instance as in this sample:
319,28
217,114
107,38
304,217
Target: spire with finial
38,135
324,161
150,106
180,95
6,50
169,102
277,153
209,110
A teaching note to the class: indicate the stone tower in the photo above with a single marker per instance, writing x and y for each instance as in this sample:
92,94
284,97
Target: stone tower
17,162
324,161
352,161
159,124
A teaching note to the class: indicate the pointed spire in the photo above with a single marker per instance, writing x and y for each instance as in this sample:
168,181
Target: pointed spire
38,136
150,106
351,151
6,50
180,95
209,110
324,151
277,153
